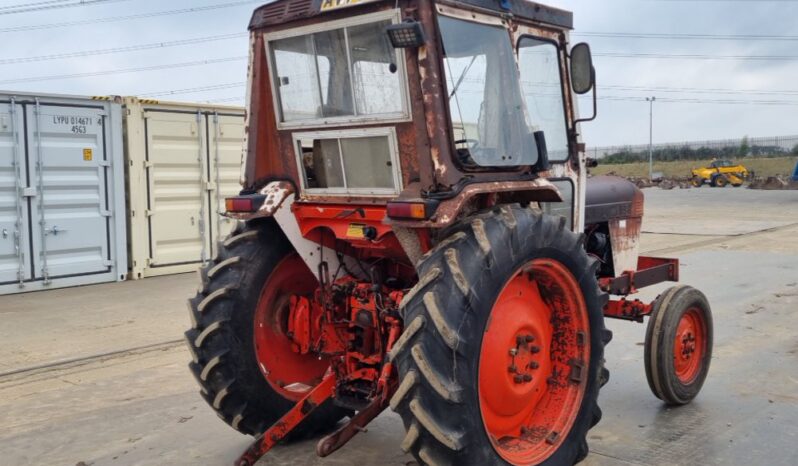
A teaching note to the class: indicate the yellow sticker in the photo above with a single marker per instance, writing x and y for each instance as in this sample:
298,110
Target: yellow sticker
333,4
355,230
87,155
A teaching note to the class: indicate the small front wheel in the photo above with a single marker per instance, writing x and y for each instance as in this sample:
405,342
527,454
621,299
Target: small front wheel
678,345
697,181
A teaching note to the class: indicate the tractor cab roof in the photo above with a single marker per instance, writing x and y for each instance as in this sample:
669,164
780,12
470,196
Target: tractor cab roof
283,11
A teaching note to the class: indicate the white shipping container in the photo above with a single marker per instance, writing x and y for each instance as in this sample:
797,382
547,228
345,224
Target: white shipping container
62,203
183,160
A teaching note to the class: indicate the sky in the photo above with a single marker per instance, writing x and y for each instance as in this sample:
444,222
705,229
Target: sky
732,83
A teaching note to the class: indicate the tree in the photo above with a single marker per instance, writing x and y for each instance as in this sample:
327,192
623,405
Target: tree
795,150
744,147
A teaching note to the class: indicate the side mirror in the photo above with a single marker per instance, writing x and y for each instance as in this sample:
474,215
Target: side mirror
582,74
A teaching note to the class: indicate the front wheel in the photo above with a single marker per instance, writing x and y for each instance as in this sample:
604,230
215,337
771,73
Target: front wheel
501,359
678,345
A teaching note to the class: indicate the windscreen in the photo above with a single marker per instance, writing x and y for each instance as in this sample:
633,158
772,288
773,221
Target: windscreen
485,101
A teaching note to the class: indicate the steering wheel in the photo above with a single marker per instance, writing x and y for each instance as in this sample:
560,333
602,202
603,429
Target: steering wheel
472,142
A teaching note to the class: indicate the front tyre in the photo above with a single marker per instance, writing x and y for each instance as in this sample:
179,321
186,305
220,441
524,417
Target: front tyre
678,346
501,359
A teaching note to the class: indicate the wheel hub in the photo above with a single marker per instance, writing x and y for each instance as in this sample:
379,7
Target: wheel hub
531,381
688,346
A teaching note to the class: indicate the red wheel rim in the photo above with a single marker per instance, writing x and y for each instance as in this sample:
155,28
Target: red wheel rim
689,345
534,362
288,372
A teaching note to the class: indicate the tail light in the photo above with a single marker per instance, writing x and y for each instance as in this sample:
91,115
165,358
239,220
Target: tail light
246,203
420,210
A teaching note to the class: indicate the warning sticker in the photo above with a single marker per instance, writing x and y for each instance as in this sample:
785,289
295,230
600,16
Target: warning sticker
87,155
355,230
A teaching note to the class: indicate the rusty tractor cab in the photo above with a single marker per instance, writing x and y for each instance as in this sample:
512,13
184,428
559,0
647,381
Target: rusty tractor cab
418,231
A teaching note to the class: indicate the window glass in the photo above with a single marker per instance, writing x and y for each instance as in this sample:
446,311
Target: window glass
538,62
297,82
347,163
367,162
336,84
374,70
317,76
564,208
485,102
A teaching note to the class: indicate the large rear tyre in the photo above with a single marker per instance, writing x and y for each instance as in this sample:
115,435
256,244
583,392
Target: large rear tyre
678,345
501,359
241,355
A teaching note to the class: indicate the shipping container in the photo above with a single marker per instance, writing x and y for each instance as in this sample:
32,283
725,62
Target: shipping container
62,194
183,159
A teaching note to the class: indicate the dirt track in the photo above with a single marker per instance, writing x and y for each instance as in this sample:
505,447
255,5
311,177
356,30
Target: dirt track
97,374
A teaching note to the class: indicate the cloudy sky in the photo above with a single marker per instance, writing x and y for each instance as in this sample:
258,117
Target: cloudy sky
735,74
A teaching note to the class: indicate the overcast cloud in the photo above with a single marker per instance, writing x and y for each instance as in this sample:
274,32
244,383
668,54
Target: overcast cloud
619,121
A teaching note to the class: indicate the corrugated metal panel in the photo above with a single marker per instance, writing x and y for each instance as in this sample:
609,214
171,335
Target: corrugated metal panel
184,159
62,220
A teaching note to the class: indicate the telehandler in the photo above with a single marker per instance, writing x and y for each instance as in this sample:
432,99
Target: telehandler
417,232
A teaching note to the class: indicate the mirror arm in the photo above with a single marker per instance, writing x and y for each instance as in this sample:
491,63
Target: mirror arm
595,105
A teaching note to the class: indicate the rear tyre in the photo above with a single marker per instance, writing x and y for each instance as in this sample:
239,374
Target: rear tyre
719,181
501,359
241,356
678,345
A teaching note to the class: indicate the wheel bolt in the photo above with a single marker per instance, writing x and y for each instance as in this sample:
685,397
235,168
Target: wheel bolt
530,338
533,365
518,379
527,378
535,349
520,340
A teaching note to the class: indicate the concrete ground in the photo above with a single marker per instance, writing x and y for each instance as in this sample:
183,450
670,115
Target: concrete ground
97,375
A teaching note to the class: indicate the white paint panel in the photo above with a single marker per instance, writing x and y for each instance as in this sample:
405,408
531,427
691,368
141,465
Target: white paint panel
14,231
69,168
177,177
226,133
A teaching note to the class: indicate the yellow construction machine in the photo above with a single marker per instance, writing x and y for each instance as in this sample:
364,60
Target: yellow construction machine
720,173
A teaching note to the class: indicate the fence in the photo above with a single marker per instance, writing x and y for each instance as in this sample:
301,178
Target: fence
692,150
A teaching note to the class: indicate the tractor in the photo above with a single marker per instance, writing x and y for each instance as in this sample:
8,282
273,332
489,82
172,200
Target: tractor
416,231
720,173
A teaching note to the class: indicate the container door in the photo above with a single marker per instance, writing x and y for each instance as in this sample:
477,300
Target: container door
177,187
69,173
14,208
226,142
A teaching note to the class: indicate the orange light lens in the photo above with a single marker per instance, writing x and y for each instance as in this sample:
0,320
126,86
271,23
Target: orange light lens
415,210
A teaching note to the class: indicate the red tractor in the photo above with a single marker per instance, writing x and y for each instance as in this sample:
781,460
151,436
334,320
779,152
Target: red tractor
418,231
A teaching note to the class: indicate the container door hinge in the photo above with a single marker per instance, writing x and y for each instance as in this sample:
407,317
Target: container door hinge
210,186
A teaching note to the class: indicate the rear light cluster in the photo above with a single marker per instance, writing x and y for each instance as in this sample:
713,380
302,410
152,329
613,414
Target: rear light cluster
247,203
412,210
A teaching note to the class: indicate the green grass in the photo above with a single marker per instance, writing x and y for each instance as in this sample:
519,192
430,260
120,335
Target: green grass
762,166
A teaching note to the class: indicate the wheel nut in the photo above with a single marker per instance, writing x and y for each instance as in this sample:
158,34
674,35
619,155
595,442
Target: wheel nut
533,365
520,340
527,378
512,368
530,338
535,349
518,379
